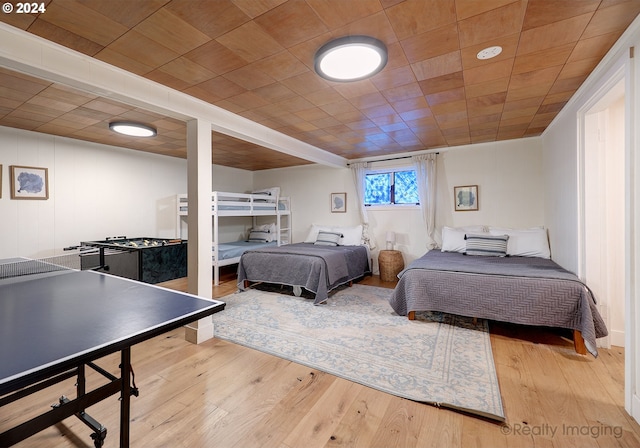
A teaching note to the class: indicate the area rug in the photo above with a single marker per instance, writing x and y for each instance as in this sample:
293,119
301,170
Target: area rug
438,359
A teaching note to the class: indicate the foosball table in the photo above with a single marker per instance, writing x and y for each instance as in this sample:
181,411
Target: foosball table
149,260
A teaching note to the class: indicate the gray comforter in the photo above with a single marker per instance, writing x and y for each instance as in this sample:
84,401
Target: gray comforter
318,269
522,290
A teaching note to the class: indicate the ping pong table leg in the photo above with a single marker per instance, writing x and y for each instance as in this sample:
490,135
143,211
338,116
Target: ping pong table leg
99,431
125,397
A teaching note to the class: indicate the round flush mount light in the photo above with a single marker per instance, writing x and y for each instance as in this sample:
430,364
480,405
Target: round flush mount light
488,53
132,129
350,58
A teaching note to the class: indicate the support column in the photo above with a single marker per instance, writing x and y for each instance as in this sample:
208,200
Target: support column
199,269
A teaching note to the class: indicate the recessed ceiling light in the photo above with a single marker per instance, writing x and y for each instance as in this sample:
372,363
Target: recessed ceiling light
132,129
490,52
350,58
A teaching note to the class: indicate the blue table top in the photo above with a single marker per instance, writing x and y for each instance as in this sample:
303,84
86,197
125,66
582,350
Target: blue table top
51,322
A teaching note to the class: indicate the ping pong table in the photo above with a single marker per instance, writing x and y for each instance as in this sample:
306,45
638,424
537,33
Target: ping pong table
55,323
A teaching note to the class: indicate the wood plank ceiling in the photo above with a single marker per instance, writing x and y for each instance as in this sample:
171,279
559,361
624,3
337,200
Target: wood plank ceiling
255,58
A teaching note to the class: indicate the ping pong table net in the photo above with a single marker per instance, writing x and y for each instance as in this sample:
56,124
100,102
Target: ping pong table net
19,267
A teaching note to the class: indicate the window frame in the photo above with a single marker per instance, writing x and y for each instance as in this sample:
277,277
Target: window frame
393,205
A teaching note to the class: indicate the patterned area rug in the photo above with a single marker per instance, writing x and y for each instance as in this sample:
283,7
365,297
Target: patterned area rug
437,359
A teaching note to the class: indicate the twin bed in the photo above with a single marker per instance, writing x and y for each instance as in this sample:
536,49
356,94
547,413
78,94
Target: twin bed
329,257
316,268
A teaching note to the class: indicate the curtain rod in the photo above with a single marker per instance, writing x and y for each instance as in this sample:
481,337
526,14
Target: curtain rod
392,158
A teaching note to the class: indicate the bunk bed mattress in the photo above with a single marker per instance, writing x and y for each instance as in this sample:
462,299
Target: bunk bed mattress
522,290
240,207
316,268
235,249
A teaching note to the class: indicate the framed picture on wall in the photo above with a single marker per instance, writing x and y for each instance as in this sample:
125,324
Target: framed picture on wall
338,202
28,182
466,198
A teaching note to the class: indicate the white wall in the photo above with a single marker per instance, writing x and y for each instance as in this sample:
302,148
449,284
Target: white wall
310,187
561,192
508,175
230,180
95,191
509,178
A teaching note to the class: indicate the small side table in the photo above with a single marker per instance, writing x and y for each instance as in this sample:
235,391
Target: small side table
390,263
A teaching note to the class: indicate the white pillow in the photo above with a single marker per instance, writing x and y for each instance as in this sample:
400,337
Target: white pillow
273,191
270,228
351,236
313,233
453,237
532,242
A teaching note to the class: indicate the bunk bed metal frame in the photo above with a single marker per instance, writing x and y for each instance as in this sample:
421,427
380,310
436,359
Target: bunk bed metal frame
224,204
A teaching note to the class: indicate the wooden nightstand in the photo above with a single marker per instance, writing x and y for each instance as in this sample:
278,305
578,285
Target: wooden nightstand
390,263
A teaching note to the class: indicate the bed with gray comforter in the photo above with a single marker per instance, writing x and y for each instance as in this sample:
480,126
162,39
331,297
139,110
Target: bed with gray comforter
316,268
521,290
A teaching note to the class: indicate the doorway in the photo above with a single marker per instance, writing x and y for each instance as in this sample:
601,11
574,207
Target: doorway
603,236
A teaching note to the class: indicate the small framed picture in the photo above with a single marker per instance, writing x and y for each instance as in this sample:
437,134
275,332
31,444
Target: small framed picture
28,182
466,198
338,202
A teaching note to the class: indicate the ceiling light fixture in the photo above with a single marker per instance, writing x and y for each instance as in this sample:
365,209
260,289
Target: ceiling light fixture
133,129
350,58
489,52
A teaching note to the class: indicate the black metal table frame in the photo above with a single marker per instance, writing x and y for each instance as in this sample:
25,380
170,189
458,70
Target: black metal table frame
67,408
37,381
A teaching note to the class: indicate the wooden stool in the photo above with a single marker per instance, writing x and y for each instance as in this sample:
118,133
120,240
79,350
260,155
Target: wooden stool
390,263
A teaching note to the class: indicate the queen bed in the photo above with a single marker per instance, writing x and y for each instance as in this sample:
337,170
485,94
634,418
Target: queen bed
319,266
530,290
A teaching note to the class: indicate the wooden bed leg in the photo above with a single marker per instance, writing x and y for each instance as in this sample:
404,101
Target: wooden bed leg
578,343
246,284
411,315
350,283
475,321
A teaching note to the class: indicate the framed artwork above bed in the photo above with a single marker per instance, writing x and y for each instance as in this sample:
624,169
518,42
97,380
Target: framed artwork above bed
466,198
338,202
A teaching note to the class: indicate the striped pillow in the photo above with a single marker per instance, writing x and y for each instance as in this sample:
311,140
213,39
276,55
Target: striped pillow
328,238
486,245
259,236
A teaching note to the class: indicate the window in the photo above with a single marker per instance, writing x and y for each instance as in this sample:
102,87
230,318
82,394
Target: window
397,187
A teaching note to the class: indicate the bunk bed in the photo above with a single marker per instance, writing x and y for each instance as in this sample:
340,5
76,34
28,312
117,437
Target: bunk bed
265,203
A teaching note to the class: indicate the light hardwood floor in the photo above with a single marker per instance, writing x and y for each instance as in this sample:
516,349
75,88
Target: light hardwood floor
219,394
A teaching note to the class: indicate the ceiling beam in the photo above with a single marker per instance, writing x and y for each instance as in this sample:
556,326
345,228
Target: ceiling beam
32,55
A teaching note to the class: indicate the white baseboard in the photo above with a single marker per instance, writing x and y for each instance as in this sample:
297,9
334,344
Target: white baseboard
617,338
635,408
